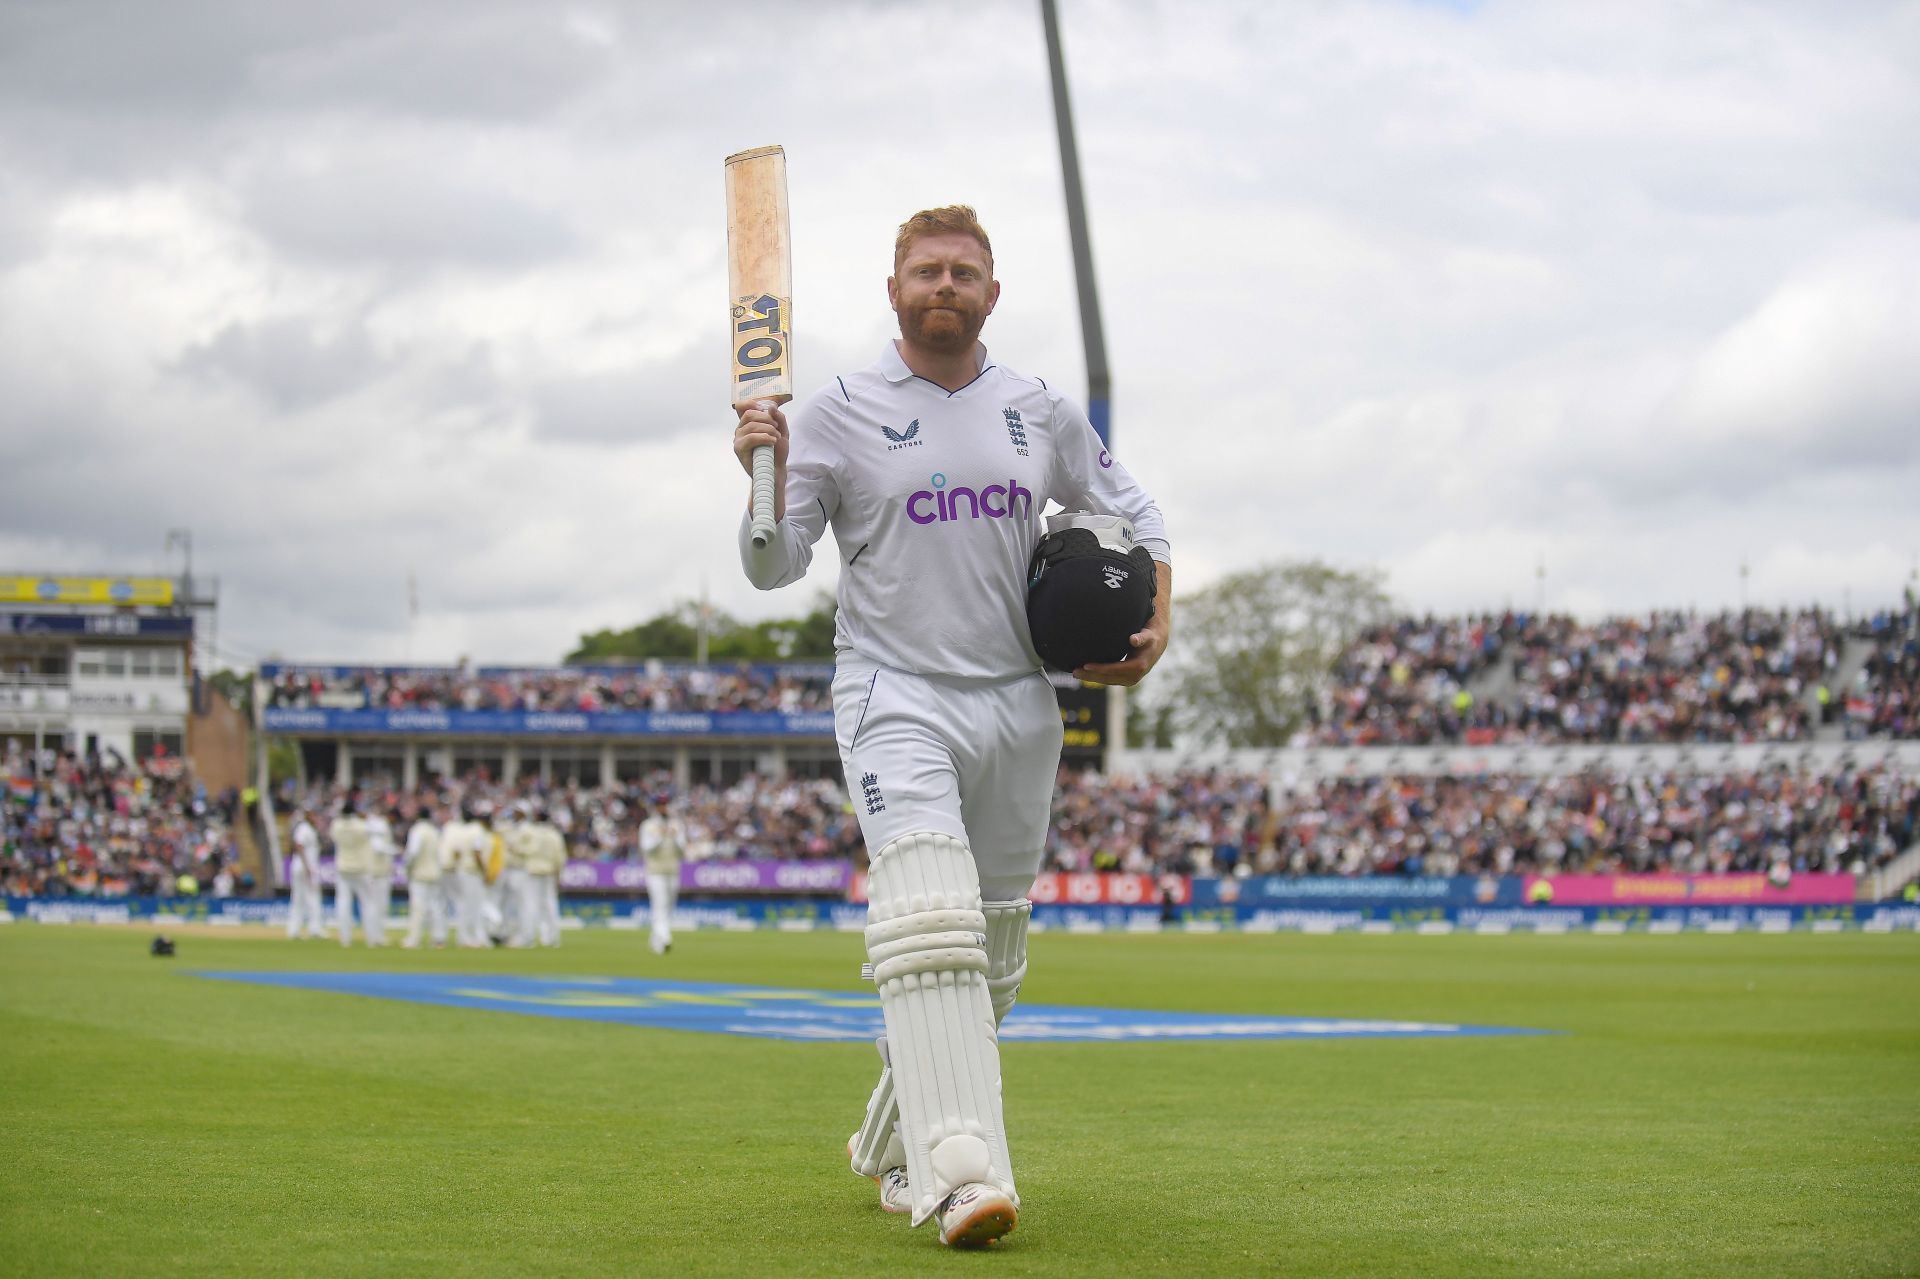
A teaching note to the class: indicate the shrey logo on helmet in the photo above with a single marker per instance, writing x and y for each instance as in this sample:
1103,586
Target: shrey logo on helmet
943,505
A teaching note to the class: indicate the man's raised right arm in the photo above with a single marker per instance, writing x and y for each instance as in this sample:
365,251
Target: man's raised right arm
804,497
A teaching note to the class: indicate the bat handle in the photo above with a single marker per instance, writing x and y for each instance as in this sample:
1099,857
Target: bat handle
762,496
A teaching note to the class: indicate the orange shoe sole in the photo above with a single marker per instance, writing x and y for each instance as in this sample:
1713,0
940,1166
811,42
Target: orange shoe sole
985,1228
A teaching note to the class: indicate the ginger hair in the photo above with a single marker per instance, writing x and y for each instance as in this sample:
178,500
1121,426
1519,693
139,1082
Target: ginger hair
952,219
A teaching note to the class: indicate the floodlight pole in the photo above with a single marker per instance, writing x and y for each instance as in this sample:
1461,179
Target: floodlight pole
1092,334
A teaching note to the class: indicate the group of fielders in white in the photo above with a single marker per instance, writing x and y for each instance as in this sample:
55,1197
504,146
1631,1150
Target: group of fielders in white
487,884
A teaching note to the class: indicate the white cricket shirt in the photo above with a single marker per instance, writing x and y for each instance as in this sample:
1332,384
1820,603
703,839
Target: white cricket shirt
936,500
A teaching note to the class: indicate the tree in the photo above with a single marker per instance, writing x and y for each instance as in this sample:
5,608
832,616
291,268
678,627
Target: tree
1253,652
675,636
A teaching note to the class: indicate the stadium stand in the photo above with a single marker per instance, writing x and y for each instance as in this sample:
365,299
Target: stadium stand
1750,676
1884,700
1223,823
1531,699
73,826
757,817
658,688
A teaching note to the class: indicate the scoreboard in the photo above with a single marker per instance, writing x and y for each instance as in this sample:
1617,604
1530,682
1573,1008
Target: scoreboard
1083,716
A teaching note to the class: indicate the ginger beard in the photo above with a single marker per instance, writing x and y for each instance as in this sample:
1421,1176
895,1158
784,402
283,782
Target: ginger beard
943,323
943,290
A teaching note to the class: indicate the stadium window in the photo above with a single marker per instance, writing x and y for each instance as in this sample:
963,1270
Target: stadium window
113,663
473,759
166,662
140,663
810,765
722,765
630,766
580,765
88,664
380,765
146,740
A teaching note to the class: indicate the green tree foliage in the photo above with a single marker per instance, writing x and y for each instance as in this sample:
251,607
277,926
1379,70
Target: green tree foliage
675,635
235,686
283,760
1252,653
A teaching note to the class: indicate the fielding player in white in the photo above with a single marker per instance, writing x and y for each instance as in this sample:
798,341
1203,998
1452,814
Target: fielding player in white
464,845
303,880
663,842
932,466
516,845
426,900
545,857
379,878
353,872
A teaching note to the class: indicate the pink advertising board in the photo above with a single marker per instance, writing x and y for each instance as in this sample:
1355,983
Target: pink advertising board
1804,889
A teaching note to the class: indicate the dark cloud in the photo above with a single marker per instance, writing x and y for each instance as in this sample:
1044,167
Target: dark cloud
287,362
620,407
397,213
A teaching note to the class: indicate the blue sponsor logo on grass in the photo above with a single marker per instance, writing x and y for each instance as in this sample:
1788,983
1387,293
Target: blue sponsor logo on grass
772,1012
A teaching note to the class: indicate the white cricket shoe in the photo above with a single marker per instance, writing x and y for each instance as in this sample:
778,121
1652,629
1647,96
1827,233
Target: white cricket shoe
976,1216
894,1194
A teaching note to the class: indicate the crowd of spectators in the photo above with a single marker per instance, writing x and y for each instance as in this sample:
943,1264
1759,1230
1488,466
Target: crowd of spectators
1406,682
1747,676
791,689
1885,699
755,817
1752,675
1225,824
74,825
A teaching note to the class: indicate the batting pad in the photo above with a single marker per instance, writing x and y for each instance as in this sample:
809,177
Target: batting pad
926,939
877,1146
1006,952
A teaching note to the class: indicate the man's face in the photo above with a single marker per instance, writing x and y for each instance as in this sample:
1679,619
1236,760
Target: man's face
943,290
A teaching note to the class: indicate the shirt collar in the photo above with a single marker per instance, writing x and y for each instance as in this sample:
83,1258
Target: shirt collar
895,369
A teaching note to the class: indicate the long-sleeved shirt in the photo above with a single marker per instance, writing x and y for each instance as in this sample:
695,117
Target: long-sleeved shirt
423,853
352,846
936,501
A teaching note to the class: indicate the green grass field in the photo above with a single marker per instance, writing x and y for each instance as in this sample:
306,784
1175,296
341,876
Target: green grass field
1738,1105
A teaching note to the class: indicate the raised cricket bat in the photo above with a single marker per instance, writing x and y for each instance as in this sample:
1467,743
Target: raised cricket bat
760,281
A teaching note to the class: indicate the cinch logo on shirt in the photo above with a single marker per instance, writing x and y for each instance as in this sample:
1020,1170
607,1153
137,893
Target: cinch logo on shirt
943,505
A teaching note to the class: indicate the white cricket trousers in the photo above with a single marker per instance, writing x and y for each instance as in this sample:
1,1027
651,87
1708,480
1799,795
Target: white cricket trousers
305,915
373,911
347,890
538,910
513,903
426,911
471,921
661,890
972,760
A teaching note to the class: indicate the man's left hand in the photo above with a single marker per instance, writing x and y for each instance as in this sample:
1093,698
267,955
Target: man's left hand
1148,643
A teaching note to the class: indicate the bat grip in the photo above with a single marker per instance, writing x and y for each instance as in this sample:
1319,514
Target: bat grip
762,496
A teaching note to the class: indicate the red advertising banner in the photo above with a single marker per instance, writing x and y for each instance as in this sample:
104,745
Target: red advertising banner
1755,889
1090,889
